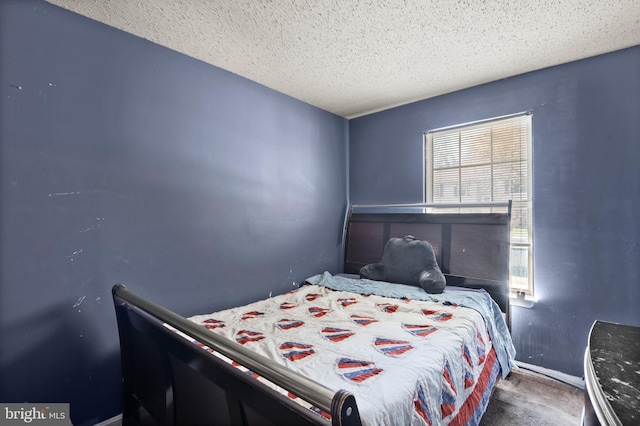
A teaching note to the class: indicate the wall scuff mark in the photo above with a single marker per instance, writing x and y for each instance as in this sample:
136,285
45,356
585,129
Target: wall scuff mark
58,194
79,302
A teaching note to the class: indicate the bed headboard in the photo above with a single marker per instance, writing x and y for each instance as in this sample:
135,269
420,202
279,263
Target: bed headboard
472,249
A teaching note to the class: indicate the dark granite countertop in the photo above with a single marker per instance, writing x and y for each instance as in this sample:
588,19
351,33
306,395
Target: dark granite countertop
615,355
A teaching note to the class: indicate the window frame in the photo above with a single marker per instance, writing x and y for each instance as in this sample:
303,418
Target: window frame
517,286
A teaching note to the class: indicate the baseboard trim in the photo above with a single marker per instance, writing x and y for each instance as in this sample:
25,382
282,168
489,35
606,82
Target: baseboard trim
575,381
113,421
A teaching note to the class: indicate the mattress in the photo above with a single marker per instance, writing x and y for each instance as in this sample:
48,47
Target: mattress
407,361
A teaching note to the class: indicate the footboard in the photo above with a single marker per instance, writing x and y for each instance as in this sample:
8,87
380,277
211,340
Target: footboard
168,380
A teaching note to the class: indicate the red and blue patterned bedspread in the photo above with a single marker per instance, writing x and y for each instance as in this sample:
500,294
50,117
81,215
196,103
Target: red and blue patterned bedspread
407,361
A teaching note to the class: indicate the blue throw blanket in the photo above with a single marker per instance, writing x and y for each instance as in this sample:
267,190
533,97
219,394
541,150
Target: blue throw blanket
478,300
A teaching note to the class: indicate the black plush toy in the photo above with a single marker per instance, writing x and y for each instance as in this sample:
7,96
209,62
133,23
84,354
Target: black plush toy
407,261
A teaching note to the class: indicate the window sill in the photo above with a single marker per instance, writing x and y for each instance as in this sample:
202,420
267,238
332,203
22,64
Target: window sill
521,301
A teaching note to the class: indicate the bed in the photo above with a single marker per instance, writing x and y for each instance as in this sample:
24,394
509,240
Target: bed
338,350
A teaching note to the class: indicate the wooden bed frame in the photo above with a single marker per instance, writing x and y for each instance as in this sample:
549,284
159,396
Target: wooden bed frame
168,380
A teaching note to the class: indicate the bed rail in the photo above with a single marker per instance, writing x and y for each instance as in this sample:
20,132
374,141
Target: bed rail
155,356
477,207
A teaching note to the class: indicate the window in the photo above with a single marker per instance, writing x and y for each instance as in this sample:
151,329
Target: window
486,162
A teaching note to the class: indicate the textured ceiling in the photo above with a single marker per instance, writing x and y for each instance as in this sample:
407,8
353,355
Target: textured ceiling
355,57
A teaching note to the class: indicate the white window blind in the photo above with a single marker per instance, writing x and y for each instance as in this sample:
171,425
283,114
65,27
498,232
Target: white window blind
486,162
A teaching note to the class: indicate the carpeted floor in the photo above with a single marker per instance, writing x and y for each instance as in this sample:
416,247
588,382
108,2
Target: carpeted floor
528,399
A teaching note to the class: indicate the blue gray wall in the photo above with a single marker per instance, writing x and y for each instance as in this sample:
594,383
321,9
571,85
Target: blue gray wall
125,162
586,182
122,161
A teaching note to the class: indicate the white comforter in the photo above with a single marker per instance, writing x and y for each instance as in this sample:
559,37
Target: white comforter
406,361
